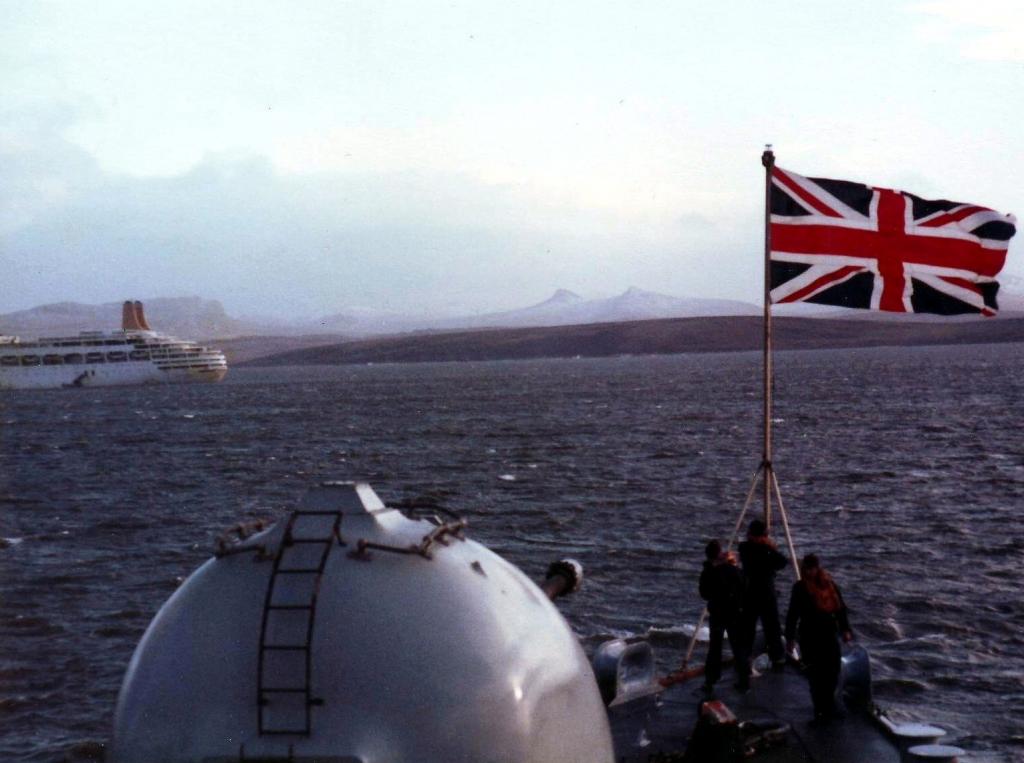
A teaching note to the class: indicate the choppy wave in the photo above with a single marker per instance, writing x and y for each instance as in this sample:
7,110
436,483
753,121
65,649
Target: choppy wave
894,468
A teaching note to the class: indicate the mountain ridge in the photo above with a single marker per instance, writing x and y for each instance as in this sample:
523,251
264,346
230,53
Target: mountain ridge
188,317
654,337
204,319
562,308
200,318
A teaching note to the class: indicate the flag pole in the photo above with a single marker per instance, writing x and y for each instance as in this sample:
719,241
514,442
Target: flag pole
770,480
765,470
768,160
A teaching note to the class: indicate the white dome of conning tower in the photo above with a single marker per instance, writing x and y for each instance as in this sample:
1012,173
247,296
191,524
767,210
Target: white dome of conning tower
350,632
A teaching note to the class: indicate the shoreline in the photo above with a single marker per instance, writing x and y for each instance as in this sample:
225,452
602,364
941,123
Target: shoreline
669,336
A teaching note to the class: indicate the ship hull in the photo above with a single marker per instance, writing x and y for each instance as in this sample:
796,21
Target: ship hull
104,375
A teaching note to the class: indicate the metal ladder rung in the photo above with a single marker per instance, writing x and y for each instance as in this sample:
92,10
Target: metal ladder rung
320,547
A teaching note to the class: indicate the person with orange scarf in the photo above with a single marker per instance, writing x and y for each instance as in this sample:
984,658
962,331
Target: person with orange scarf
817,617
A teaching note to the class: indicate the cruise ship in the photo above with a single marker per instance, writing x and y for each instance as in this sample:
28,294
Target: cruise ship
134,355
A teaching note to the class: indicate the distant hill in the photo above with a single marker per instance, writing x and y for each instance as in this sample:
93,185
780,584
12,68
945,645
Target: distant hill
186,317
197,318
245,339
246,348
565,308
562,308
365,321
666,336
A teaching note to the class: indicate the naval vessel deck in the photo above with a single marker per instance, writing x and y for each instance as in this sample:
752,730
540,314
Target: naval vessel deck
659,726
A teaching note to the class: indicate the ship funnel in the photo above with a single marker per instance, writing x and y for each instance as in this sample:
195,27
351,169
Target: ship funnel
140,317
129,320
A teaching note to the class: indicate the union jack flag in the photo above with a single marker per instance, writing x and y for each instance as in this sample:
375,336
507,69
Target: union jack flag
835,242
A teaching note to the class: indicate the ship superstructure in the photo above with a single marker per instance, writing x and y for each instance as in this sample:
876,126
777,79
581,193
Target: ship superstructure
134,355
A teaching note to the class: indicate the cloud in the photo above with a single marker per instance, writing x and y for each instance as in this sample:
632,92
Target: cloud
396,228
38,168
983,30
568,153
265,241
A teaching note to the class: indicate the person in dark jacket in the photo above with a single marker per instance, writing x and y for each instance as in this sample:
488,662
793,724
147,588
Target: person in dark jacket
817,617
721,585
761,560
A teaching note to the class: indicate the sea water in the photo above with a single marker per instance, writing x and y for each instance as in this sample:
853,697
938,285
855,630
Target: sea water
903,468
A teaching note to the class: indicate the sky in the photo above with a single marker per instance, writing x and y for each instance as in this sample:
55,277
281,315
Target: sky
301,159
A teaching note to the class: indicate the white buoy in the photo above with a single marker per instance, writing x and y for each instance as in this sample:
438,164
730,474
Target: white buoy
407,643
912,733
918,731
935,753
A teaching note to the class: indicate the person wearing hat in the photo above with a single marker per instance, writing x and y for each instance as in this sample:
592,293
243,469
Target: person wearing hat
761,560
721,585
817,618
